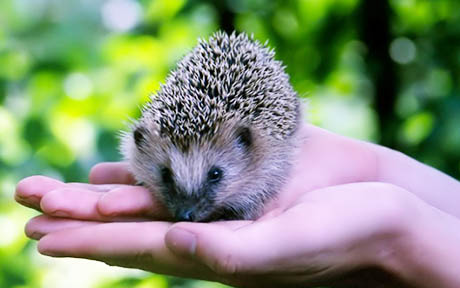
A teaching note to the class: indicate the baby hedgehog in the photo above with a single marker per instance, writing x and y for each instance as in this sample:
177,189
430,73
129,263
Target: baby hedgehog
216,142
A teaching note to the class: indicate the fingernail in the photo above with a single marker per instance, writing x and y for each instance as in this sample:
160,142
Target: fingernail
105,205
43,249
27,200
181,241
60,213
36,235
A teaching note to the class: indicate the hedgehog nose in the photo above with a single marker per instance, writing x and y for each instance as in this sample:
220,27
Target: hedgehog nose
184,215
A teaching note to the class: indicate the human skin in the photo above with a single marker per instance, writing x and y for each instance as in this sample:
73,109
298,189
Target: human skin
320,231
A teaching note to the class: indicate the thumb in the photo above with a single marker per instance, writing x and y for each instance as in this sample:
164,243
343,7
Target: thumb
237,247
215,245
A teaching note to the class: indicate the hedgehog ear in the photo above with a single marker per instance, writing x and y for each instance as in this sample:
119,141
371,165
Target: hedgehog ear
244,137
139,136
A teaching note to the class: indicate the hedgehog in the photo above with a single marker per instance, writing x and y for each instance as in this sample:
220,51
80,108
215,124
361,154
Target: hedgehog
216,141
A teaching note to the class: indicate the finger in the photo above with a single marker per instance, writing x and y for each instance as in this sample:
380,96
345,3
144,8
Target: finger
85,204
30,190
111,173
138,245
72,203
205,242
42,225
255,248
105,239
131,200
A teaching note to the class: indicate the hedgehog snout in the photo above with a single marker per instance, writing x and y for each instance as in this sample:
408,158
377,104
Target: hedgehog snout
189,207
185,214
191,213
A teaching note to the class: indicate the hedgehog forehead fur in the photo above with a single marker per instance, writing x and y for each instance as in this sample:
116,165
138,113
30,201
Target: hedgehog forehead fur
225,78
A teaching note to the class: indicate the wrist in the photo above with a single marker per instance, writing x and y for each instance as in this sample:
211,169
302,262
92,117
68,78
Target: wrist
425,250
390,244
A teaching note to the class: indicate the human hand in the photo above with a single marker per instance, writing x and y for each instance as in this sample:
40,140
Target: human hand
324,160
331,236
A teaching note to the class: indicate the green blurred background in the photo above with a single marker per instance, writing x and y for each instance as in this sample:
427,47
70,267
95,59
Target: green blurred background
73,72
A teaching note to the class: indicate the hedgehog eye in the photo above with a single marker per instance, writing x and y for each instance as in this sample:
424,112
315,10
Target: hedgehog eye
138,135
215,174
166,175
244,137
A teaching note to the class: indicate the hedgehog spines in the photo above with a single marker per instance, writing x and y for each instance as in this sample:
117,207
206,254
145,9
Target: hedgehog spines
226,77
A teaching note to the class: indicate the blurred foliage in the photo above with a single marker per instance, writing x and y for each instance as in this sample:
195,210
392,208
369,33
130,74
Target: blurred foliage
73,72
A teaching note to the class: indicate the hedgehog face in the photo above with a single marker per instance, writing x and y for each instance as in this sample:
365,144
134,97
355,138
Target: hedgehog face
196,184
208,181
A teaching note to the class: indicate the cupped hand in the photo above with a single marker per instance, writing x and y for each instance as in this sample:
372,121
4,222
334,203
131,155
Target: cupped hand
330,236
311,235
324,159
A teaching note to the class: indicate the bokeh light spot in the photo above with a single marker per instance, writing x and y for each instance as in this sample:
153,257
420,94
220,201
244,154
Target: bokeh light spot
439,83
407,103
78,86
417,128
403,50
14,64
121,15
78,134
285,22
13,149
10,231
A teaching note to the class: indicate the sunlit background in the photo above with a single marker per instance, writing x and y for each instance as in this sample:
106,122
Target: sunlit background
73,72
